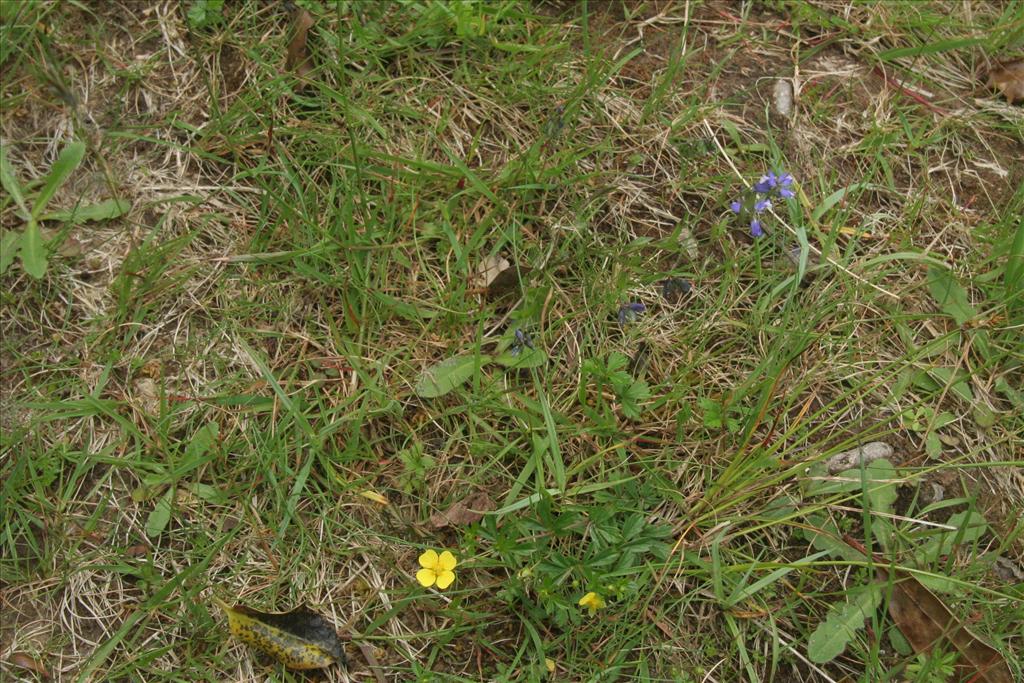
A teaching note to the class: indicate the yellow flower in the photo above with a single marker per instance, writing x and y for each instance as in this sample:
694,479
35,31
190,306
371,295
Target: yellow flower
437,569
593,602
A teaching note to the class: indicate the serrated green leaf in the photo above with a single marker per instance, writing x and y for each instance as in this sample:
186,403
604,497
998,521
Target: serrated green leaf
101,211
33,252
443,377
526,358
841,623
949,295
300,639
66,163
160,517
9,243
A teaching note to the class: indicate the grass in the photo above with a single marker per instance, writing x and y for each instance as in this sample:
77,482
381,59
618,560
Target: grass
198,395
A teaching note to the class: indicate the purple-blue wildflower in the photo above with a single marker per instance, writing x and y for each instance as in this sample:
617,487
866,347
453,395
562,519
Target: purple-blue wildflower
521,341
629,312
758,199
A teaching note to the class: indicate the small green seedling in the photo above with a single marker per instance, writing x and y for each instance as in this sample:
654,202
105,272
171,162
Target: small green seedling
28,245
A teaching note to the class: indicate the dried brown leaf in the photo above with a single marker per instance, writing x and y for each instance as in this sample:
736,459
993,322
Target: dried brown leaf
297,59
24,661
464,512
925,621
497,277
1009,80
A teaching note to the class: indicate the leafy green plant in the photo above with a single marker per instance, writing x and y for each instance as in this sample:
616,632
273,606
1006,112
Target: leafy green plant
558,555
415,466
29,245
449,374
203,13
612,374
923,420
165,480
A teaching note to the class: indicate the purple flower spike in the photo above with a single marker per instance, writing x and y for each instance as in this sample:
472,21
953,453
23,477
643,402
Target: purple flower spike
755,228
785,180
786,193
762,204
629,312
735,206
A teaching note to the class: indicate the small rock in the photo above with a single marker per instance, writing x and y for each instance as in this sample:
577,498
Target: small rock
782,97
876,450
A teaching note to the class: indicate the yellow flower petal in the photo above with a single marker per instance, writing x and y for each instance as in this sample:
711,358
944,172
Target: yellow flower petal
587,599
445,578
428,560
426,577
447,561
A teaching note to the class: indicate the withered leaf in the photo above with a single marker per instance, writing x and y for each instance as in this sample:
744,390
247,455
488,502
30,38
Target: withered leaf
297,59
24,661
1009,80
463,512
926,621
300,639
497,277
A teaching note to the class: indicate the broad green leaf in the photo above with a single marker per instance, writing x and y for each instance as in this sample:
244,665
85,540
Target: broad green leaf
300,639
968,527
69,160
9,242
933,445
880,478
829,538
101,211
160,517
66,163
33,251
202,441
526,358
983,415
10,182
949,295
957,383
443,377
841,623
210,494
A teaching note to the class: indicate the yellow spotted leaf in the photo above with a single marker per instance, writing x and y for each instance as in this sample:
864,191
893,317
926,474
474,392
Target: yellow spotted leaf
300,639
